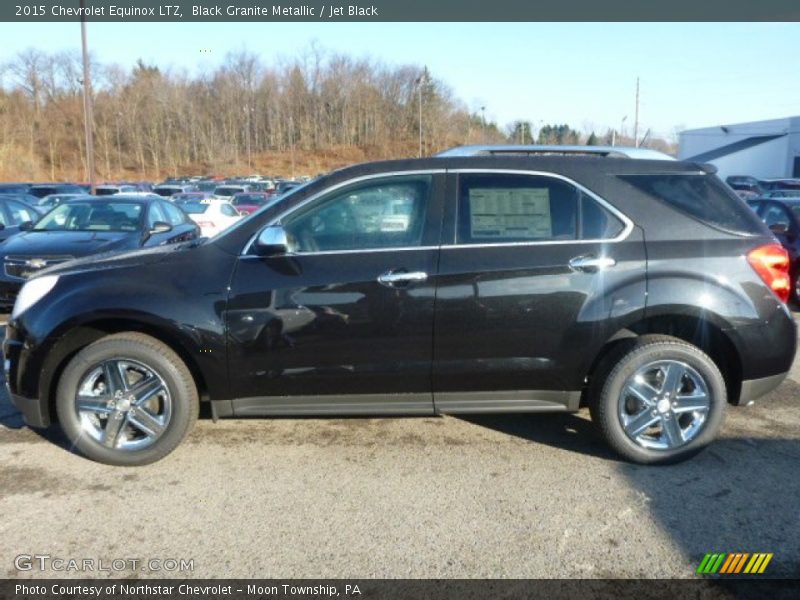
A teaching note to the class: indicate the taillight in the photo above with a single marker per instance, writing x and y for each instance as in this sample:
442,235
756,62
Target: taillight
771,262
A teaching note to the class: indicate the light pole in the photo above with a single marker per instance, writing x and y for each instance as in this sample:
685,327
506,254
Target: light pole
419,81
483,123
614,133
87,101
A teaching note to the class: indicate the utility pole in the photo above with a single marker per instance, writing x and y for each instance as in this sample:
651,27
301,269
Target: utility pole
419,81
636,118
621,131
87,101
483,123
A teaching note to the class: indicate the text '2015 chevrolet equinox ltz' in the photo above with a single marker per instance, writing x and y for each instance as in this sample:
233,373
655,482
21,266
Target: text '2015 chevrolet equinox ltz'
471,282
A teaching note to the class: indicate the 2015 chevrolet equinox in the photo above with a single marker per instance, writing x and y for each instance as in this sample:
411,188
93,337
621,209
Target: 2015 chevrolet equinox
519,282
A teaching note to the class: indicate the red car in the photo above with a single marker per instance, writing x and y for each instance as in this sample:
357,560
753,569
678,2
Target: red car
250,202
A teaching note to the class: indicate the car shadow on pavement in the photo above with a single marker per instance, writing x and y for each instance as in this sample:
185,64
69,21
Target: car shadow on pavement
567,431
739,495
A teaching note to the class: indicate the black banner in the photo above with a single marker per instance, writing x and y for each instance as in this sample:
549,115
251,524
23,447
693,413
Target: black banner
399,10
396,589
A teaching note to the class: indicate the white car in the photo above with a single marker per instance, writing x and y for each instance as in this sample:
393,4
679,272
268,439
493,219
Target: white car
212,217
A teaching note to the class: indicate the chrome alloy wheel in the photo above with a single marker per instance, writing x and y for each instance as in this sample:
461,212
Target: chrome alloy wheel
664,405
123,404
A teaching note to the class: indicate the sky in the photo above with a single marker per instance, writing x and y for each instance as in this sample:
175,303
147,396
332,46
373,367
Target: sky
583,74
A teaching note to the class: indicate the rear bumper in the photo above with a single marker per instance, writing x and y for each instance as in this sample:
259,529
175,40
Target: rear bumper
33,410
755,388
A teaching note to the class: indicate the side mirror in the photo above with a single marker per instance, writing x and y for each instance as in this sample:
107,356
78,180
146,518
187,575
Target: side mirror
160,227
26,226
779,228
272,241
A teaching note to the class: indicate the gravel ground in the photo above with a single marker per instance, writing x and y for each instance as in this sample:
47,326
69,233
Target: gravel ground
513,496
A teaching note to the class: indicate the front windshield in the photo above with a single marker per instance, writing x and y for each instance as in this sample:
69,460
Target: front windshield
93,215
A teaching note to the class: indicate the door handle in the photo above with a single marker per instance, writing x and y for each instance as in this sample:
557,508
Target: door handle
591,264
395,278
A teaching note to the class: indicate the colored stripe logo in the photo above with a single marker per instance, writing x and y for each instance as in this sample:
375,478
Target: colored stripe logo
734,563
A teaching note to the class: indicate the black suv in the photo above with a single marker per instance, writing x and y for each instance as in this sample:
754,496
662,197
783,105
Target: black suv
478,281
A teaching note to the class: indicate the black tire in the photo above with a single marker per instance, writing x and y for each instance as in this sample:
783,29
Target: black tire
162,361
621,364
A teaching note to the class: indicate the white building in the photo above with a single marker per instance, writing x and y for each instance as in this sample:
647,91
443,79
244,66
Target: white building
763,149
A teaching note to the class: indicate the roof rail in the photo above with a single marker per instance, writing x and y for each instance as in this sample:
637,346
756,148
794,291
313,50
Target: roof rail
529,150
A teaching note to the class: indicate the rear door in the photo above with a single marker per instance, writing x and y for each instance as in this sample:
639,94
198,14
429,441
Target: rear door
535,273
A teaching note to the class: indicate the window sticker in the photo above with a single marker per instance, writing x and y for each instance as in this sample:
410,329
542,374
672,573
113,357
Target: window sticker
510,213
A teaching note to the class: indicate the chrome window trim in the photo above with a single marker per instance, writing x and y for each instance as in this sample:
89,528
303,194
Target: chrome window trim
246,249
622,236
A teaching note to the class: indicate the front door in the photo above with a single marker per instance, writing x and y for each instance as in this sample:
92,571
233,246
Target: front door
535,274
344,322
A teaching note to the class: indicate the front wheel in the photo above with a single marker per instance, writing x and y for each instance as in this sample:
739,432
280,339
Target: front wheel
658,400
127,399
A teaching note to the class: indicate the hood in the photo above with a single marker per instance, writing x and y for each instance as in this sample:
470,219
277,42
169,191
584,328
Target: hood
116,260
69,243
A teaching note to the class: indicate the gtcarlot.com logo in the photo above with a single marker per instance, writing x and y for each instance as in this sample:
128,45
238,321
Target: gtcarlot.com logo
46,562
734,563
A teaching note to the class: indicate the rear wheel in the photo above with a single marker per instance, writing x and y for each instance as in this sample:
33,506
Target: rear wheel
658,400
126,399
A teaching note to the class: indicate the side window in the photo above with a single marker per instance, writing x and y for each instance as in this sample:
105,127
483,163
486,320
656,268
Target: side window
775,214
228,210
155,214
174,214
386,213
497,208
20,213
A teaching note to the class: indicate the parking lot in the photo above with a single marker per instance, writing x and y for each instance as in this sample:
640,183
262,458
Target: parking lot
498,496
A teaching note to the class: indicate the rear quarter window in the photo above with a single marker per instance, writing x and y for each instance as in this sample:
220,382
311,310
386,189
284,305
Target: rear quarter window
703,197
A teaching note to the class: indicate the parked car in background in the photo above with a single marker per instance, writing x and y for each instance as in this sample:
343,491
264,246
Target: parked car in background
227,191
189,197
788,193
250,202
14,188
45,189
780,184
782,216
169,189
25,199
110,189
49,202
744,182
211,217
15,216
285,187
205,186
89,225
